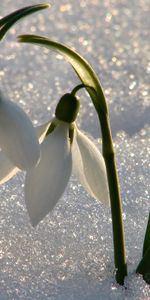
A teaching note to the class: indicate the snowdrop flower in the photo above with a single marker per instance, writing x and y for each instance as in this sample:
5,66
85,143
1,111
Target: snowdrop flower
64,150
18,140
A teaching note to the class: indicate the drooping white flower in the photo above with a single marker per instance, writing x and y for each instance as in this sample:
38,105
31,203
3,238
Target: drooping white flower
46,182
18,139
7,168
64,150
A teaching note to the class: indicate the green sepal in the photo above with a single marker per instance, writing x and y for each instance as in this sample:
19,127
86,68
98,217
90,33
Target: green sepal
7,22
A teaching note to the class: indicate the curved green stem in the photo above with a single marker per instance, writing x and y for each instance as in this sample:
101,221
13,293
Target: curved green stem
115,198
77,88
81,86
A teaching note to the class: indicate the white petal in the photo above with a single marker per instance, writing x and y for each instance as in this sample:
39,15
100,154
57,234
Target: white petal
7,170
90,167
41,131
78,168
47,181
17,136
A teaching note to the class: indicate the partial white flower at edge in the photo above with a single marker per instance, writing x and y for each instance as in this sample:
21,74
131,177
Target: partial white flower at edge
46,182
18,139
7,168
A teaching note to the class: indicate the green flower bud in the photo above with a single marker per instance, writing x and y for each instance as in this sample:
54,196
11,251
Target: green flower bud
67,108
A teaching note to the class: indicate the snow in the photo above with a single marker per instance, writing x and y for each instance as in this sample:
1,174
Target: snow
69,255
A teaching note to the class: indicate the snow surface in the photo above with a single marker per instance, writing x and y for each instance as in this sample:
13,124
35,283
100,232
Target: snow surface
69,256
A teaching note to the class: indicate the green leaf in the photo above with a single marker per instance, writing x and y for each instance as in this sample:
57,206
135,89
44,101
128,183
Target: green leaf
79,64
9,20
144,265
147,237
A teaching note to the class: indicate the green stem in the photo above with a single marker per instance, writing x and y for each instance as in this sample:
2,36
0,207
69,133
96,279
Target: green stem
116,207
115,198
77,88
81,86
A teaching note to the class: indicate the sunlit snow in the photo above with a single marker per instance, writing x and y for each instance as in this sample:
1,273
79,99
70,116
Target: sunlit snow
69,255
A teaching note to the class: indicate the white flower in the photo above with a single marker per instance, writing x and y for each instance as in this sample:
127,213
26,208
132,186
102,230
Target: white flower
18,139
7,168
46,182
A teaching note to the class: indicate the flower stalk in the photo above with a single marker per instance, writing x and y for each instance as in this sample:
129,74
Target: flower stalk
114,190
116,207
